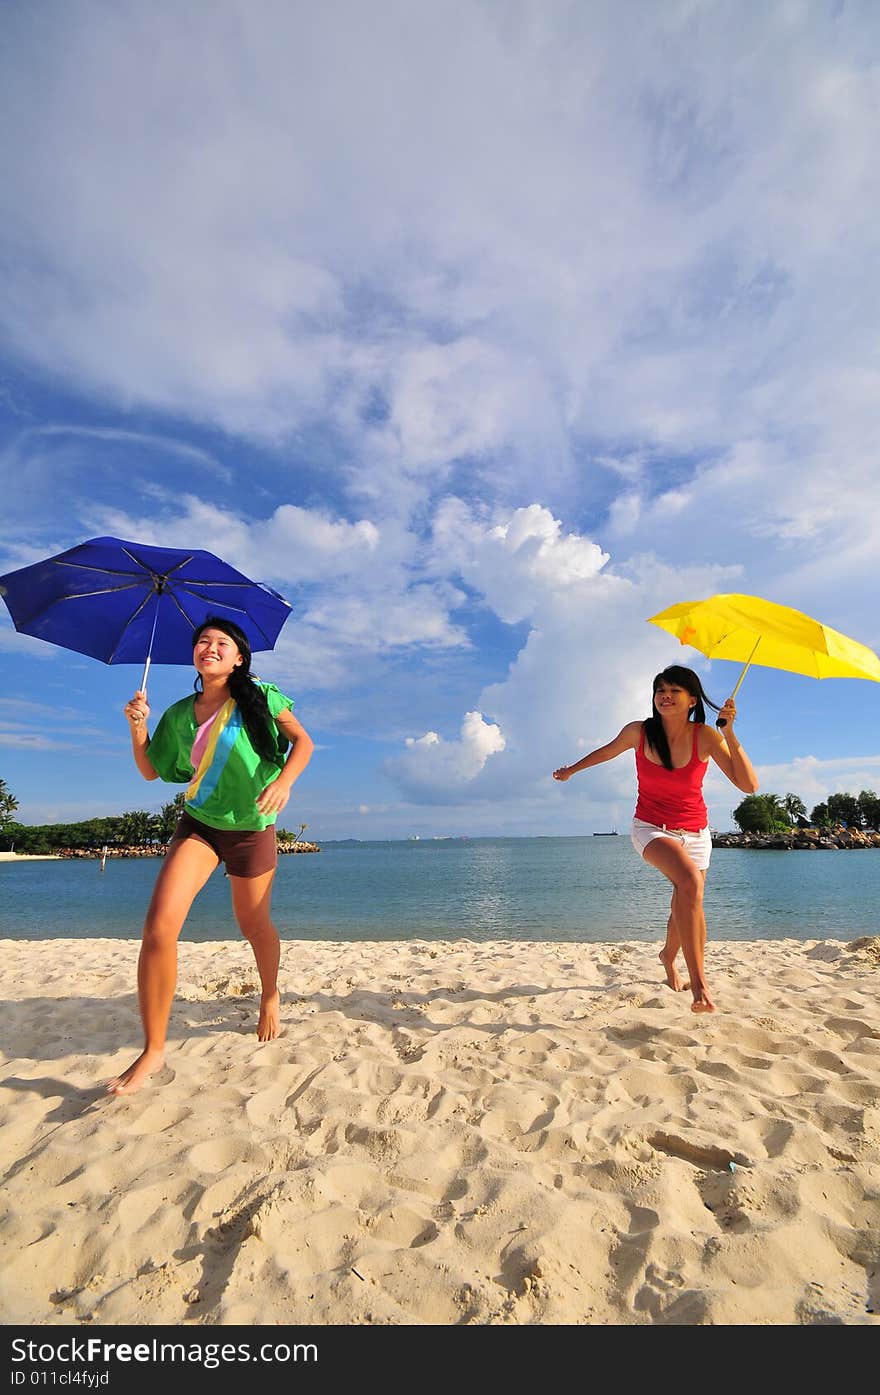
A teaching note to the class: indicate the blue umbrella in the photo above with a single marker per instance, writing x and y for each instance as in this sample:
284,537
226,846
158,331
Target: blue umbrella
126,603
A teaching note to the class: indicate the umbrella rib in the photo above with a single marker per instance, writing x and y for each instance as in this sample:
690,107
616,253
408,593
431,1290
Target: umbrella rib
45,608
139,575
173,596
143,569
103,591
176,567
134,614
239,610
727,633
227,585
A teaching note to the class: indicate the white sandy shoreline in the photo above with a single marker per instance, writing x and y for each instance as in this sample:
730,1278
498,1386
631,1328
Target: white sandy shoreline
29,857
446,1133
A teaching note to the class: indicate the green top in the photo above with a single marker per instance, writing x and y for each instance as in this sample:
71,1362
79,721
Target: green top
223,791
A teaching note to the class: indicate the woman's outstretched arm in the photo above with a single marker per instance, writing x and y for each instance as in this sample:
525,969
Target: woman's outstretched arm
627,739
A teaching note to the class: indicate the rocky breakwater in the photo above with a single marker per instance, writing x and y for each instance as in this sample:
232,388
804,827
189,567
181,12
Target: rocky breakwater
159,850
800,839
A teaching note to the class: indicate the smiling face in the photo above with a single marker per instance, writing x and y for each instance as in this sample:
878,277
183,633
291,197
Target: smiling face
215,654
670,698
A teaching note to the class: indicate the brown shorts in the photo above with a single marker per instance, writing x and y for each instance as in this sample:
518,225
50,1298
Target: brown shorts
246,854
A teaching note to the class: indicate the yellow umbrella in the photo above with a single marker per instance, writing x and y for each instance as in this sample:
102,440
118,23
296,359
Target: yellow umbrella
747,629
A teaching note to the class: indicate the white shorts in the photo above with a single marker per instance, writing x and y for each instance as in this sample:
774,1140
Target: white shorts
698,846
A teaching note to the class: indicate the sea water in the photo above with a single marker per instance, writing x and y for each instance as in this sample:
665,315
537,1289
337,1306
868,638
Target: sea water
588,889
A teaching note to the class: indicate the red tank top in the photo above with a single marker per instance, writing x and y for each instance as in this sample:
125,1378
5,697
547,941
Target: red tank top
672,797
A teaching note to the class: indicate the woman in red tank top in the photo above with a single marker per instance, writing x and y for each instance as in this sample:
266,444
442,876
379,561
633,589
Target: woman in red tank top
671,826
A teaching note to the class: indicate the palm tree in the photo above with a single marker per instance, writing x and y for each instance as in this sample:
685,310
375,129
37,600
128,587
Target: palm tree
136,828
761,813
168,816
302,829
776,811
794,807
8,804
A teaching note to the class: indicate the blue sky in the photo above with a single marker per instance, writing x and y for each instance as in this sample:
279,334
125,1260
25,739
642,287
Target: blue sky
482,331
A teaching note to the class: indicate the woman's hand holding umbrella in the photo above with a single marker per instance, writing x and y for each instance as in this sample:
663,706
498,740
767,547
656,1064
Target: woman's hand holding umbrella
137,710
726,716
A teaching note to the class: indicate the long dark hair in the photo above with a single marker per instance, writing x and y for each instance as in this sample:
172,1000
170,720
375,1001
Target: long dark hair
251,700
680,677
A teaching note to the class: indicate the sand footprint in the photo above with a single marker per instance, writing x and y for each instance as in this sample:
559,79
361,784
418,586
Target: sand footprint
219,1154
270,1104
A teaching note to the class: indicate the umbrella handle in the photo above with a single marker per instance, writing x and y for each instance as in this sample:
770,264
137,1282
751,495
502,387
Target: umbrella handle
150,648
722,721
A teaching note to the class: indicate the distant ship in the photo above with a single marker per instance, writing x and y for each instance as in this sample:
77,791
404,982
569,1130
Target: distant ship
610,833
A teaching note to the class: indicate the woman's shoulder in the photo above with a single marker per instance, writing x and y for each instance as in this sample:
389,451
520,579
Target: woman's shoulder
276,700
707,738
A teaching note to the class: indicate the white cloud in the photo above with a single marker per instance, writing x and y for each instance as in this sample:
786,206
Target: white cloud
516,562
381,622
430,765
14,643
293,544
43,726
449,401
34,741
511,228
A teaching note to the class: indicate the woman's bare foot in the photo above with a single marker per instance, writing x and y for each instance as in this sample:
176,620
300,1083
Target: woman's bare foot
702,1002
132,1079
269,1025
673,977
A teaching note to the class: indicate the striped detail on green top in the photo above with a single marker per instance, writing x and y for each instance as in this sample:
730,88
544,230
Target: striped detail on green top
224,734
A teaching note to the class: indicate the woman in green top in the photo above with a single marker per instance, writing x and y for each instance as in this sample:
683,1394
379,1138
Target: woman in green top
230,743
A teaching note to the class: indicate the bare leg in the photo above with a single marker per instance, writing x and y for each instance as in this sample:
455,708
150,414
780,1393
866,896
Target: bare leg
687,921
187,866
670,950
252,904
669,954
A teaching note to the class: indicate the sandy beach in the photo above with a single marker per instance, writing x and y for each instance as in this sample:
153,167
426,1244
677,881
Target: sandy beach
446,1133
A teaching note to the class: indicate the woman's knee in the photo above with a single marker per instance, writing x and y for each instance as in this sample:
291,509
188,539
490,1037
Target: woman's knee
689,885
256,928
161,932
